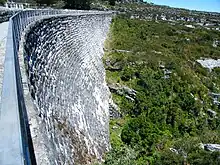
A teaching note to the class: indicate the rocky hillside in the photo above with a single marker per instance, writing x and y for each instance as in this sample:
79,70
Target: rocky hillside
149,11
162,68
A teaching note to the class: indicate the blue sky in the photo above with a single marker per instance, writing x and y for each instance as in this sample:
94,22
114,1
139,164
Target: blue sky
203,5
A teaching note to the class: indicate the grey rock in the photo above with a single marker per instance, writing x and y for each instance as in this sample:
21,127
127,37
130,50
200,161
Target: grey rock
115,127
167,72
161,66
174,150
215,43
114,111
129,98
212,113
215,97
116,66
123,90
129,91
113,65
209,63
212,147
179,151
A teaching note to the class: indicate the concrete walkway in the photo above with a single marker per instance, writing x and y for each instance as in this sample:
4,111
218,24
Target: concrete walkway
3,37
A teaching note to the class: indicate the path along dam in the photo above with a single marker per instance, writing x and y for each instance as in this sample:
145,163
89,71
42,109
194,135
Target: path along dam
55,101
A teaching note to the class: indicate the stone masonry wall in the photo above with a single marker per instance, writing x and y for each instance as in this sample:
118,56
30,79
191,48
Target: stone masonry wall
67,84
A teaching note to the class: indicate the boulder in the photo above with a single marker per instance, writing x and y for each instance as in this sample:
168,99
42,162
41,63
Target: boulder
212,147
123,91
211,113
114,110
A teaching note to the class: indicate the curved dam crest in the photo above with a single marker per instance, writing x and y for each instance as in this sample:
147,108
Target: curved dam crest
63,59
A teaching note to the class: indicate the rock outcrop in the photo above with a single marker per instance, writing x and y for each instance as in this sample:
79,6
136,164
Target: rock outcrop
211,147
67,83
209,63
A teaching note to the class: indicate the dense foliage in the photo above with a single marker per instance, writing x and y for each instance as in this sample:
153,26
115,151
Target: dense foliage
77,4
73,4
2,2
172,104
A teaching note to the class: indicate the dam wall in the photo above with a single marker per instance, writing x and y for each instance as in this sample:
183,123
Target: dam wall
62,56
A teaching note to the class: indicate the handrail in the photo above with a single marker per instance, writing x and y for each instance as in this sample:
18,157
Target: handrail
10,133
15,140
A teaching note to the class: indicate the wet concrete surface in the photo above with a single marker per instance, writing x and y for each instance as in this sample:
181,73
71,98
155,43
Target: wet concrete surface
3,38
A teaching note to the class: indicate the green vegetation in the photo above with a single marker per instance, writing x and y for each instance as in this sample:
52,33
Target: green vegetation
73,4
46,2
170,109
77,4
2,2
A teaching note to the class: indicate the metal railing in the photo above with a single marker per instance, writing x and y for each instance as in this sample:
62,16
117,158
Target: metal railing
15,140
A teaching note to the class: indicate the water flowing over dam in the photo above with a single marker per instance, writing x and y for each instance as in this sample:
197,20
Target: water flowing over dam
67,102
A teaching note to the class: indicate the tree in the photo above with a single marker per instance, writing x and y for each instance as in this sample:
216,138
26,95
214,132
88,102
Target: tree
2,2
46,2
112,2
78,4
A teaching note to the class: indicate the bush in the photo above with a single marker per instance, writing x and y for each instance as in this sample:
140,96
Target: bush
171,102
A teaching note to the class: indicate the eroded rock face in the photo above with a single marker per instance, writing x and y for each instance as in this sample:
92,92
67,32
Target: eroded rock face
67,83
